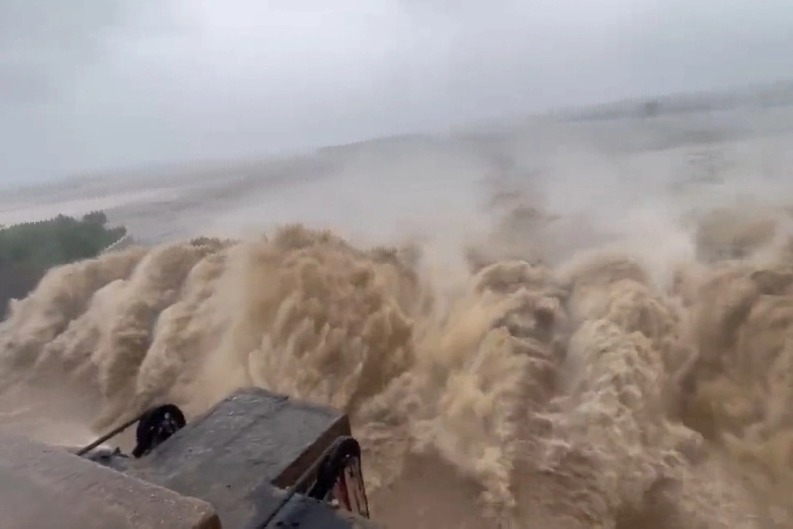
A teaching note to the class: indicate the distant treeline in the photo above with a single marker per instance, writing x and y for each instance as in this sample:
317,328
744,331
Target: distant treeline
42,245
766,96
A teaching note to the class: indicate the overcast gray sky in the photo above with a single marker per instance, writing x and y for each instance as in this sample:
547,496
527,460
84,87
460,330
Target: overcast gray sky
88,85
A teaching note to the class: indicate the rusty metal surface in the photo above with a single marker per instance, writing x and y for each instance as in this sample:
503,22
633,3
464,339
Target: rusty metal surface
242,454
46,487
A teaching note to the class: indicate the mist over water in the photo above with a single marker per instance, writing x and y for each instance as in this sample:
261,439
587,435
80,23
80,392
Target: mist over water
539,331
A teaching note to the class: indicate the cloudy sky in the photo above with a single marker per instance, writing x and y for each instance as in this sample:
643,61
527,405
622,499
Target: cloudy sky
87,85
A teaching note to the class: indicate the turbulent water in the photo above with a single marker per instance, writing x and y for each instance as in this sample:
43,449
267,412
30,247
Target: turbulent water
640,378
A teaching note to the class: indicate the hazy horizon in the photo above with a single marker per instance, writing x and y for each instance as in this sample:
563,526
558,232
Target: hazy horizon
116,84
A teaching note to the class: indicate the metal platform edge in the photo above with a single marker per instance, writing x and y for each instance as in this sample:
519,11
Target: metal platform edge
45,486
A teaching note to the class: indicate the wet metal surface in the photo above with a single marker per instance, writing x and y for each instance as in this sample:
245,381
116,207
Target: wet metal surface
46,487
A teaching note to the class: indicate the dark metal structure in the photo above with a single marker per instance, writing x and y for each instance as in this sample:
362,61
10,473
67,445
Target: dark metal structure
259,459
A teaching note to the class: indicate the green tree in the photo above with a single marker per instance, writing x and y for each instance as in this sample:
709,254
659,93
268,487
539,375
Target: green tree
61,240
